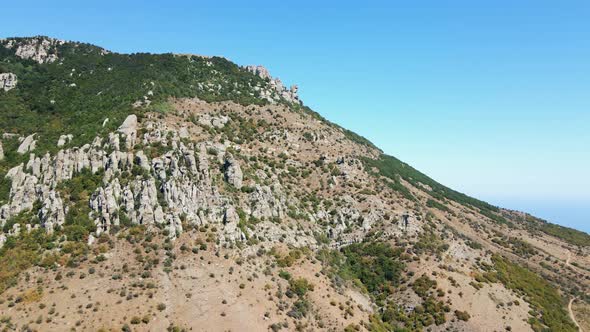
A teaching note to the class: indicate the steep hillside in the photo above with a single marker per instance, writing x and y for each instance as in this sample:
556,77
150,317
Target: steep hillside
145,192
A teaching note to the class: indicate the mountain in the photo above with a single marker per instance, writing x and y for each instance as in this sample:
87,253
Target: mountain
147,192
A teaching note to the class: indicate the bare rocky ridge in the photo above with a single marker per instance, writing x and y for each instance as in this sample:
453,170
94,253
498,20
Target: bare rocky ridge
39,49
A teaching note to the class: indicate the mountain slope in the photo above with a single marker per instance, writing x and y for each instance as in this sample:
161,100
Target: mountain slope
151,191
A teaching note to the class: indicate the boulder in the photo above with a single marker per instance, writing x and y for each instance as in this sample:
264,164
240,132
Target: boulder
28,144
183,132
129,130
231,220
52,213
233,172
8,81
142,160
64,139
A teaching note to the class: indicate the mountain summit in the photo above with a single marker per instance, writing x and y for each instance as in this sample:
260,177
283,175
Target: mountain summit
147,192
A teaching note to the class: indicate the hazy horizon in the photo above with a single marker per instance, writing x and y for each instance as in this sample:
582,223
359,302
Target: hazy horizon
488,99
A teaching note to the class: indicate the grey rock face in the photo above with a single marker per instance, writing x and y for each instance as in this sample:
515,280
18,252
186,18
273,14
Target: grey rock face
129,130
8,81
27,145
177,188
52,213
276,90
23,192
266,203
213,121
64,139
1,151
233,172
260,71
142,161
40,49
231,230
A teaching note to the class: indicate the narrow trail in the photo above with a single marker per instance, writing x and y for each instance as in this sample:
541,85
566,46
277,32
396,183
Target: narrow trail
572,316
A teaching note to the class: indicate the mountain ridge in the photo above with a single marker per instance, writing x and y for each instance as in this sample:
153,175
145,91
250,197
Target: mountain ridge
108,153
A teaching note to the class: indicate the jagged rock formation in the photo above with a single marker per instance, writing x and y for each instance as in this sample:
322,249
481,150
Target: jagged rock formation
64,139
38,49
129,130
175,187
8,81
289,95
28,144
233,172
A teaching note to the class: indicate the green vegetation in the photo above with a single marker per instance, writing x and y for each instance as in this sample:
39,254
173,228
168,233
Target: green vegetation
20,253
377,268
27,249
287,260
23,218
518,246
5,185
567,234
548,312
462,315
354,137
77,93
434,204
394,169
300,286
422,285
77,191
429,242
570,235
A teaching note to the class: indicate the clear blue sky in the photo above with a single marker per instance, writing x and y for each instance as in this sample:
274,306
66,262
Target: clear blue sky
489,97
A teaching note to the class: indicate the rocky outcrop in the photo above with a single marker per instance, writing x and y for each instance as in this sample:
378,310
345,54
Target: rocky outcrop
8,81
267,202
259,71
53,212
23,192
174,189
276,90
27,145
231,229
233,172
38,49
129,130
213,121
1,151
64,139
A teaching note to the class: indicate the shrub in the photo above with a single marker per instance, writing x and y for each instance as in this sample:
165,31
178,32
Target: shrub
300,286
547,304
423,285
462,315
299,309
285,275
